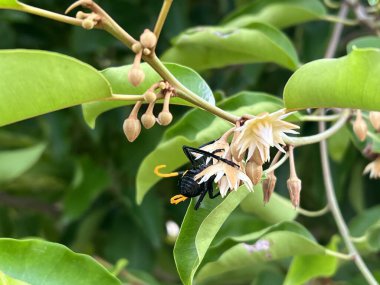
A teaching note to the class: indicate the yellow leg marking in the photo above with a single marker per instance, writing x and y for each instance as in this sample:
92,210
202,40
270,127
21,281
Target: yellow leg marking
164,175
177,199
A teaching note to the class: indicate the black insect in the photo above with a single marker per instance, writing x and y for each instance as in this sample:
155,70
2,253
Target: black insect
188,186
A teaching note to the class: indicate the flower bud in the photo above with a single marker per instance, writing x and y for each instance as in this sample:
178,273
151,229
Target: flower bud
256,157
146,51
132,128
165,118
268,186
148,120
294,187
254,172
150,96
360,127
162,85
136,76
148,39
88,24
374,117
137,47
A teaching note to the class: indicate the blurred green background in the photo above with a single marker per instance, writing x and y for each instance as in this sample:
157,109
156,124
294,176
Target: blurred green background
81,192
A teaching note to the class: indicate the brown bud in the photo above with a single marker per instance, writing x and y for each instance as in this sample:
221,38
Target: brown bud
254,172
137,47
374,117
256,157
294,187
136,76
88,24
132,128
147,51
148,120
268,186
165,118
150,96
148,39
360,127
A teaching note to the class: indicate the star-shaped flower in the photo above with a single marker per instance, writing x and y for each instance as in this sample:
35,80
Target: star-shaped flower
373,169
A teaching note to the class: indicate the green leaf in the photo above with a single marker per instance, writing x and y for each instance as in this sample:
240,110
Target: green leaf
194,129
279,13
199,229
307,267
338,144
37,82
6,280
211,47
363,42
14,163
244,262
90,179
277,210
347,82
120,85
9,4
41,262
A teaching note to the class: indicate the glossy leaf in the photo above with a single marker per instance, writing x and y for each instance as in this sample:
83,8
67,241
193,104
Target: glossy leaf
347,82
194,129
14,163
243,262
6,280
363,42
117,76
90,179
199,229
307,267
279,13
9,4
211,47
277,210
41,262
37,82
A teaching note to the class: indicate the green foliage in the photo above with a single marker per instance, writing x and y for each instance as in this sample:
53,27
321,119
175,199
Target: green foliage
14,163
347,82
9,4
117,78
195,128
363,42
306,267
210,47
6,280
37,262
279,13
37,82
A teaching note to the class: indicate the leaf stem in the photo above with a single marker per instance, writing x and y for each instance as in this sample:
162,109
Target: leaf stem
162,17
327,118
48,14
313,214
299,141
277,164
339,254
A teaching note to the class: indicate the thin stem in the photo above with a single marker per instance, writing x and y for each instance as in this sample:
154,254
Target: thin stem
346,22
339,255
162,17
48,14
359,239
278,164
313,214
120,97
322,135
327,118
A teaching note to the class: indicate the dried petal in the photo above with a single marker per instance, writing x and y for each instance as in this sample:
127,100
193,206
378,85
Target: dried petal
268,186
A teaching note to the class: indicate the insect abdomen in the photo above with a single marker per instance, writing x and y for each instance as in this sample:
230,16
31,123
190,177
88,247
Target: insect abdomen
188,186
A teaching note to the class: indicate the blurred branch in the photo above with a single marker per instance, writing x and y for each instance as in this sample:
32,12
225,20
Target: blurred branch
162,17
313,214
29,203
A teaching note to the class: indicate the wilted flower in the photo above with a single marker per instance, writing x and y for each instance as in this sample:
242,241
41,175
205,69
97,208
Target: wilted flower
373,169
227,177
262,132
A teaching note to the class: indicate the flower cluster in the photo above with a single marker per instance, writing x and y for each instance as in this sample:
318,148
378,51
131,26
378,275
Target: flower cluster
249,149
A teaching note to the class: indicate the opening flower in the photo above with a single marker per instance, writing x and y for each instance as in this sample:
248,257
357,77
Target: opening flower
262,132
373,169
227,177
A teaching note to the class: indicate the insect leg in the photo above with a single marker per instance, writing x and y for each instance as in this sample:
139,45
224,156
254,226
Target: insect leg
188,150
210,189
201,197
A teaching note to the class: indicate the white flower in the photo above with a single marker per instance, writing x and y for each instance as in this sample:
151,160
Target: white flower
373,169
227,177
262,132
219,148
